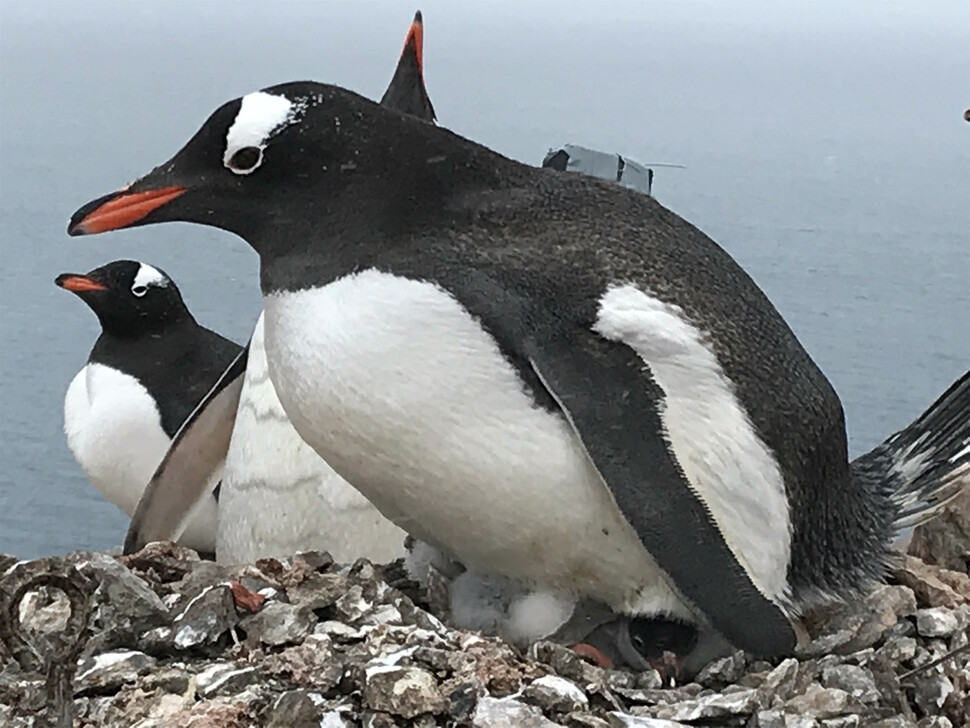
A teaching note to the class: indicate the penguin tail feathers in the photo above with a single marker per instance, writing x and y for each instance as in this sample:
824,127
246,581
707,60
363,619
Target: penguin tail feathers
929,461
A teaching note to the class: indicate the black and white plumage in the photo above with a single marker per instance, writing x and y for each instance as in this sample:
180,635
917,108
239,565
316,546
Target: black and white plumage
149,368
277,496
545,376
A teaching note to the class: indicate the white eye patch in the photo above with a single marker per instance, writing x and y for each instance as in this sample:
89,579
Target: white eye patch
145,277
260,114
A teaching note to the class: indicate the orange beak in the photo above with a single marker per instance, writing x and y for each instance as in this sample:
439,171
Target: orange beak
416,36
78,283
119,210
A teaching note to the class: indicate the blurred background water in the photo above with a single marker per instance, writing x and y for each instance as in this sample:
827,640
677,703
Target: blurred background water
824,144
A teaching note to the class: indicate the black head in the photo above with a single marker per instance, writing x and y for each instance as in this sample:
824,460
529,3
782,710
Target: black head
300,151
299,162
130,299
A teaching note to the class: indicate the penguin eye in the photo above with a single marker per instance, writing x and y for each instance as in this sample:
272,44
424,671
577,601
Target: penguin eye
245,160
637,643
139,291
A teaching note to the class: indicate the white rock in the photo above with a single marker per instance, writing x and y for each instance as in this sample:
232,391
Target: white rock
219,675
404,691
553,693
936,622
509,713
742,702
340,631
638,721
111,669
854,680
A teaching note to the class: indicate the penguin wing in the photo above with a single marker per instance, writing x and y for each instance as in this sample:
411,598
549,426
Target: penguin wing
182,478
606,393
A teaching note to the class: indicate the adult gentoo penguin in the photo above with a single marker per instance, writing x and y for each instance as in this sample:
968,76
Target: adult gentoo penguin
550,378
151,365
277,496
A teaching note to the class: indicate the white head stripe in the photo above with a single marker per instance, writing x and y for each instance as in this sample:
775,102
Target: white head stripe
259,116
148,276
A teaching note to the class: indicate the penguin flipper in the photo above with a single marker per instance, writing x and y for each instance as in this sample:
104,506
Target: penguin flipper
182,478
606,393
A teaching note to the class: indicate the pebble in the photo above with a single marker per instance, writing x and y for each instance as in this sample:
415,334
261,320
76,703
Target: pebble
205,618
111,670
555,694
854,680
936,622
171,645
509,713
225,677
724,671
279,623
780,682
821,702
403,691
741,702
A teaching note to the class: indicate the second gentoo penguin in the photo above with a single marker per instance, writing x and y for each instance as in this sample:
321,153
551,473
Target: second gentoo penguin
406,92
277,495
150,367
548,377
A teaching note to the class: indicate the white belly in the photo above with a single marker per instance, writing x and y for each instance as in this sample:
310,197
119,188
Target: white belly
405,395
115,431
279,497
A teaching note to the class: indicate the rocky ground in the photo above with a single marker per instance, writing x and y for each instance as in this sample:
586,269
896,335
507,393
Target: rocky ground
161,638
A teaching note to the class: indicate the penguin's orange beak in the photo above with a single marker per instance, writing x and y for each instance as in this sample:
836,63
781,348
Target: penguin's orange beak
119,210
78,284
415,41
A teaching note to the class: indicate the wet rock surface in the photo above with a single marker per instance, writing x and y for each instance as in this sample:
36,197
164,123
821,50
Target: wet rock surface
171,640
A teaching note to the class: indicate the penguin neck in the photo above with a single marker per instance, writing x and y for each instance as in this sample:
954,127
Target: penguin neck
126,328
392,197
125,332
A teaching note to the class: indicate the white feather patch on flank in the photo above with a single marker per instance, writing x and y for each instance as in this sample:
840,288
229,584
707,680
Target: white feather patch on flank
260,114
727,464
148,276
